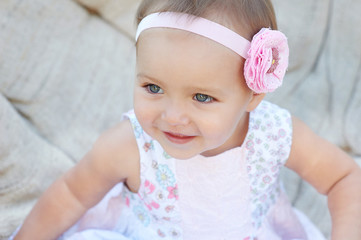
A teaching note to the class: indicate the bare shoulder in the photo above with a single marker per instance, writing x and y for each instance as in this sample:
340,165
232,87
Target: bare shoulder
116,154
316,160
113,158
118,141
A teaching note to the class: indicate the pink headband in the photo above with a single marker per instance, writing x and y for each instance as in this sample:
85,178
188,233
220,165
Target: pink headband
266,56
200,26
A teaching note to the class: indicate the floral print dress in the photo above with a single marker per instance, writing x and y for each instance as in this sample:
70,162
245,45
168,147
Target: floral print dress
234,195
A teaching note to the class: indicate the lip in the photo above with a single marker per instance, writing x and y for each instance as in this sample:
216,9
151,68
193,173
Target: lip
178,138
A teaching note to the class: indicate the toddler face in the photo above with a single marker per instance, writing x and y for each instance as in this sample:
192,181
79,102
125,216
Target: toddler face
190,94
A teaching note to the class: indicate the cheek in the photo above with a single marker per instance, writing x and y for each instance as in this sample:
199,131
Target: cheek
221,126
144,111
216,129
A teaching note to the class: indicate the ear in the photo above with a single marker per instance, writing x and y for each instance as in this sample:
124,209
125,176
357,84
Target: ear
255,100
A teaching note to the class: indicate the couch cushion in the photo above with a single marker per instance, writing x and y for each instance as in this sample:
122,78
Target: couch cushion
70,73
66,75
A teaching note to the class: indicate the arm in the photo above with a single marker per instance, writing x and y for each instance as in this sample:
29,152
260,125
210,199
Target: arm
333,173
112,159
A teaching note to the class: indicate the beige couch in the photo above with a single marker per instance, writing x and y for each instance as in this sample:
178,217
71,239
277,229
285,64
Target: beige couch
67,69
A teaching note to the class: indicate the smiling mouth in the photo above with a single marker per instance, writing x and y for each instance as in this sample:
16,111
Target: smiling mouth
178,138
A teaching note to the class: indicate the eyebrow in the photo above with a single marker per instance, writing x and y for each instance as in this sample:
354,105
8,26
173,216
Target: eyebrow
141,75
208,91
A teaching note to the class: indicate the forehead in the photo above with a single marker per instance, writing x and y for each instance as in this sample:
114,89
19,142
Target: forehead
172,51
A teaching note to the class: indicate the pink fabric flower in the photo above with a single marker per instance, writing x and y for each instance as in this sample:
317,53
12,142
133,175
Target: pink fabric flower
267,61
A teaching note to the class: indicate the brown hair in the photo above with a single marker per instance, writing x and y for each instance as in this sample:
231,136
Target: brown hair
246,17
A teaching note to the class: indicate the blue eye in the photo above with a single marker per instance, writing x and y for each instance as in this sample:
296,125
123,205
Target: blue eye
152,88
203,98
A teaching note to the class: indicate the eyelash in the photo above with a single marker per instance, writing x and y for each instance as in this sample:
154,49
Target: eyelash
148,88
208,99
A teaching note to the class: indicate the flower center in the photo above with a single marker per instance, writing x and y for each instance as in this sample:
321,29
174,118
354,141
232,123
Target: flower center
275,60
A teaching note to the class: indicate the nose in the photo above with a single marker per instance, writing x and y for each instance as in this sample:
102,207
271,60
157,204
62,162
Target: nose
175,114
